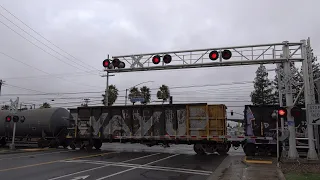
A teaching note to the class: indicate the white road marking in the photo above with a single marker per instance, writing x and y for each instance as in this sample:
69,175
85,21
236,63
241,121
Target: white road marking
17,157
111,175
80,177
87,170
78,172
104,162
164,168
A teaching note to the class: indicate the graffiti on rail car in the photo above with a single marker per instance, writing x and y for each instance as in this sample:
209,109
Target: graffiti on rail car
133,121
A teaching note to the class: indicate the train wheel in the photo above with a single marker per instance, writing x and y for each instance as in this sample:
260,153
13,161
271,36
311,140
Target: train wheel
64,144
223,150
97,144
198,149
41,143
54,143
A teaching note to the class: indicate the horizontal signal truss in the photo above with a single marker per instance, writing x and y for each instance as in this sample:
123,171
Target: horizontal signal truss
199,58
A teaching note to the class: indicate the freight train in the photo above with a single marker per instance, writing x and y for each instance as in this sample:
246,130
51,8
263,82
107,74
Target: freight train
259,122
202,125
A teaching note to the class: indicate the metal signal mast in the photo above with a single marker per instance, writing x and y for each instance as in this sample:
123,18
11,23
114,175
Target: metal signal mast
201,58
284,53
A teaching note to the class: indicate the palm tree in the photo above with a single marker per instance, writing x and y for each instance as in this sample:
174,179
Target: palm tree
163,93
45,105
134,93
112,95
145,93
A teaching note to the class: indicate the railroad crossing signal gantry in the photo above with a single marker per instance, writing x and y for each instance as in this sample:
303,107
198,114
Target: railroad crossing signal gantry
200,58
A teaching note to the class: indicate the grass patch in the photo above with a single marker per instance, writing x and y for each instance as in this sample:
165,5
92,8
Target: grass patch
304,176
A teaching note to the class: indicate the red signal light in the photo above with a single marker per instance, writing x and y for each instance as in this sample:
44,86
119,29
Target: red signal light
214,55
156,59
167,58
8,118
296,112
226,54
282,112
106,63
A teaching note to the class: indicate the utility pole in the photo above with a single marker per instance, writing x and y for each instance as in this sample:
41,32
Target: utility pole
293,153
308,93
1,83
125,101
106,95
14,110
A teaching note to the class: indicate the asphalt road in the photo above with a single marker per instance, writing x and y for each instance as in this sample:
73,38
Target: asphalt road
113,162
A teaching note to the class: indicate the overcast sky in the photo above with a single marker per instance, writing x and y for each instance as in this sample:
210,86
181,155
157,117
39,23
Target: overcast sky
90,30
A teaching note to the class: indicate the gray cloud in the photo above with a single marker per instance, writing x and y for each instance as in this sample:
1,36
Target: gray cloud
90,30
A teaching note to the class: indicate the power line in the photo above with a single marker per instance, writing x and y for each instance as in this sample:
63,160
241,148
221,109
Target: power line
85,73
39,46
45,71
23,88
43,36
92,92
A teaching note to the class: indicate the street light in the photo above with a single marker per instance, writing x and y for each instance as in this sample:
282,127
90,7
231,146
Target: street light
133,87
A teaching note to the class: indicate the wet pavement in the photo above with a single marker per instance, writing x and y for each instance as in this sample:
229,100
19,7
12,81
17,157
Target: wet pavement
235,168
114,161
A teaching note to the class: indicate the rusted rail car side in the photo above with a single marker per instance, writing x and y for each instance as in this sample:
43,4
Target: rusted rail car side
151,125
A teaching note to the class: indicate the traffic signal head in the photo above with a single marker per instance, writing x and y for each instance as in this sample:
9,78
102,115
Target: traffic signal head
116,63
106,63
156,59
226,54
8,118
167,58
15,118
214,55
296,112
282,112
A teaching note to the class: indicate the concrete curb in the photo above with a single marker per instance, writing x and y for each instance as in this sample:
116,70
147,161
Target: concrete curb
280,174
11,152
